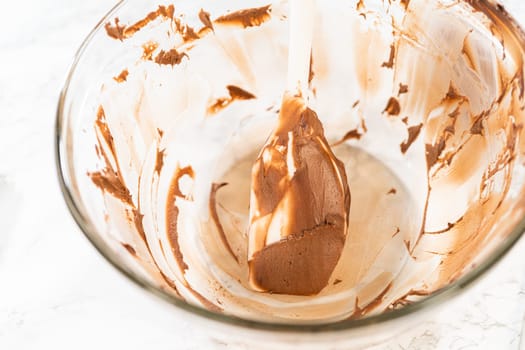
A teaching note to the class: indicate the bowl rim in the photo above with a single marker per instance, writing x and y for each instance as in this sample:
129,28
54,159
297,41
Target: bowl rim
438,297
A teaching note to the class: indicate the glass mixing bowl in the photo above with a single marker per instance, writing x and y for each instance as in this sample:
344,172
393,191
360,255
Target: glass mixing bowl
422,100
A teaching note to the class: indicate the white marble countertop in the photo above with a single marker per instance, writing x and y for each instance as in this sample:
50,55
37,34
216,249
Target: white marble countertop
57,292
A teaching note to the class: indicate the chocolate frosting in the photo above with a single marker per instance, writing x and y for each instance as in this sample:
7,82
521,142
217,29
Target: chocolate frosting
251,17
300,189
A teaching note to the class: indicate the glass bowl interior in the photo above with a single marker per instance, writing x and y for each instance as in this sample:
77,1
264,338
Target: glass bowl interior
425,95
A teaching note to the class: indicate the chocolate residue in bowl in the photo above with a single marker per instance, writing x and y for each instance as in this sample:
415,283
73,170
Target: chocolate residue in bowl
171,57
393,107
362,311
403,89
236,93
354,134
247,18
413,133
122,77
129,248
159,161
121,32
442,146
109,178
390,62
172,214
148,49
215,217
110,181
204,17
